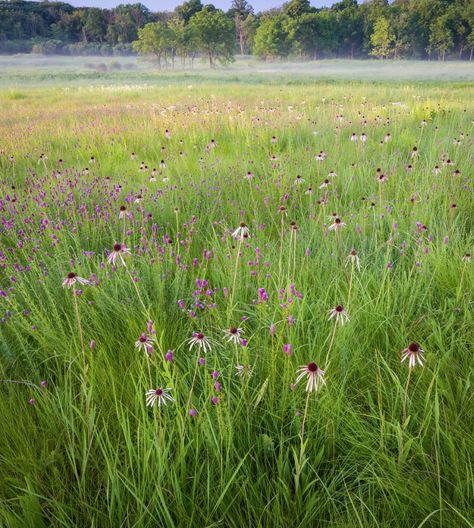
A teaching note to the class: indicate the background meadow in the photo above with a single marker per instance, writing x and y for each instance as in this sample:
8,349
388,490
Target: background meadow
79,446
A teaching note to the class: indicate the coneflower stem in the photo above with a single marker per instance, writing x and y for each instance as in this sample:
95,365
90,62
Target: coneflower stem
236,267
331,343
81,337
350,285
300,462
192,388
404,409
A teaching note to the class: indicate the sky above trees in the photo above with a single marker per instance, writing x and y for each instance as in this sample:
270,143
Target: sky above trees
161,5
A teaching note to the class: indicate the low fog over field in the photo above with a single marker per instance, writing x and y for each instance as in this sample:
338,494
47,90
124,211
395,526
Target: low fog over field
16,70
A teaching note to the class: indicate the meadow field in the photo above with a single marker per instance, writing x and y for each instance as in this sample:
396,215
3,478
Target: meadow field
238,298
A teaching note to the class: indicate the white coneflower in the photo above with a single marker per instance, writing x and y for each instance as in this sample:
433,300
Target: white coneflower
414,153
313,373
159,396
241,232
325,184
353,258
354,137
167,134
309,191
91,160
248,176
133,156
144,343
119,250
414,354
338,224
72,278
299,179
387,138
339,313
123,212
243,371
467,257
233,335
363,137
203,342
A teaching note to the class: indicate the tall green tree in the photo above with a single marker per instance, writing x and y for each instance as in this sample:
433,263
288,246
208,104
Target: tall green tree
382,39
272,37
214,34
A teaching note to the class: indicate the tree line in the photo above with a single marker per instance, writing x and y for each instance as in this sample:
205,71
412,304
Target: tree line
418,29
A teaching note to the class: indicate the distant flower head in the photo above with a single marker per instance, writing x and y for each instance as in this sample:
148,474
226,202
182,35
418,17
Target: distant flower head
72,278
119,251
314,375
203,342
414,354
159,396
144,343
339,313
233,335
241,232
353,258
338,224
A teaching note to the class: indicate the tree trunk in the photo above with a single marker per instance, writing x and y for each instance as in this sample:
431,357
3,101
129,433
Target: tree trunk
241,38
210,58
470,56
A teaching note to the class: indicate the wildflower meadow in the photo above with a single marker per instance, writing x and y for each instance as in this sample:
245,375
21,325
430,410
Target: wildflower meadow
228,302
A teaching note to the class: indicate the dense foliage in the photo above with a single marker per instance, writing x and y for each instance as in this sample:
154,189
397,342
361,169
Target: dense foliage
401,29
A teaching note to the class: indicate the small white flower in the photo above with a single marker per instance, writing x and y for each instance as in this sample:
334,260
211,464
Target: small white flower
314,374
72,278
203,342
159,396
233,335
241,232
339,313
414,354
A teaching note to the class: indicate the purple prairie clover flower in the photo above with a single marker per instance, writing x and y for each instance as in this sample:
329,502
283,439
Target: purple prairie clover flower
169,356
242,232
215,374
202,341
91,344
414,353
243,342
192,412
272,329
118,252
72,278
214,400
339,313
263,294
314,375
288,349
181,304
201,361
144,343
31,401
43,384
158,396
233,335
217,386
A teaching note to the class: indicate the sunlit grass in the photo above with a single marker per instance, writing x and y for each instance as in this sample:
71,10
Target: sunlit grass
93,454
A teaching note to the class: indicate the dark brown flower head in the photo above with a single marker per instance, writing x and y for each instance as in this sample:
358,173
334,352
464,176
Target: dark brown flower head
71,275
312,367
117,247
